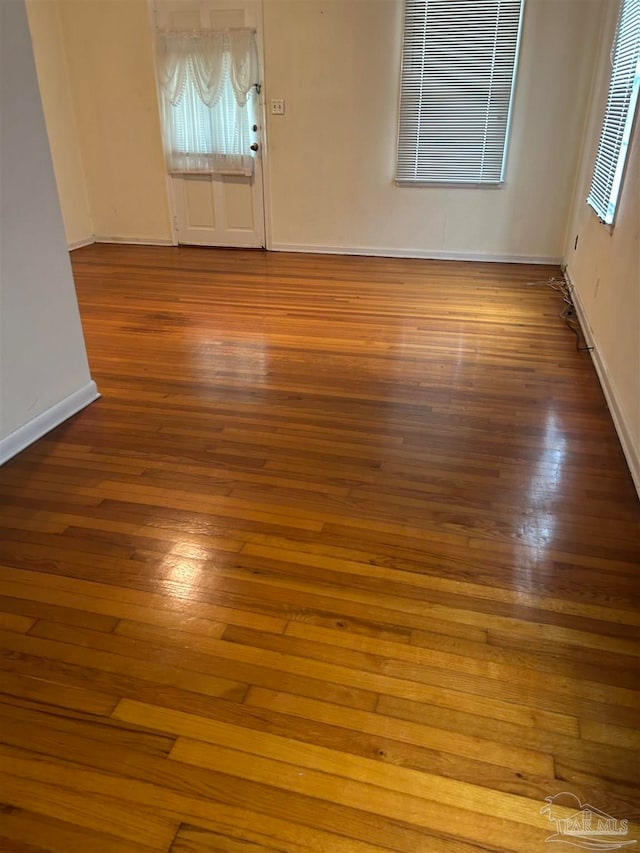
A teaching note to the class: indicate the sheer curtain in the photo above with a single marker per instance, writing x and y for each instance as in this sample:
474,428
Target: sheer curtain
207,82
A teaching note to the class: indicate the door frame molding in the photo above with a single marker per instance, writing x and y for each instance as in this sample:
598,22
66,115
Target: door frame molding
264,146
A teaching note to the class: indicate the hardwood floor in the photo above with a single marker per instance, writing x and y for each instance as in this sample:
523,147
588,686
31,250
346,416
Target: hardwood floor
344,560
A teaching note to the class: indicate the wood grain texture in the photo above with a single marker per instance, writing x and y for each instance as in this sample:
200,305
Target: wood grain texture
344,560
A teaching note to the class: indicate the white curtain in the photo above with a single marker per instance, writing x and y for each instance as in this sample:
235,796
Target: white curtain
207,82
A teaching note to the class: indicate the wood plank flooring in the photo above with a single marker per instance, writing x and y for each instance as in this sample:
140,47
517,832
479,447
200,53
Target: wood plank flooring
344,560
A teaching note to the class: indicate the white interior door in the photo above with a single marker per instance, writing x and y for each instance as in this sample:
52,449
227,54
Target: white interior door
218,210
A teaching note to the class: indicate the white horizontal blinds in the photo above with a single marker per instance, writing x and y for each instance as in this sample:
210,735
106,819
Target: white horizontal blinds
618,119
458,66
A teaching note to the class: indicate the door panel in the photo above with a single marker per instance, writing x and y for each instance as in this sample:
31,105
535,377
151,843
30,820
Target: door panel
222,19
216,205
218,210
238,203
198,201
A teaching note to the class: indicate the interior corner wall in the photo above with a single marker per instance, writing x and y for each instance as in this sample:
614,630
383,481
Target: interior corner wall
48,49
109,52
603,265
44,375
331,162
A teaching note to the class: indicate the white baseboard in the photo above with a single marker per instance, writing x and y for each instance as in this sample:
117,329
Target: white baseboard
46,421
129,241
132,241
79,244
625,435
415,253
367,251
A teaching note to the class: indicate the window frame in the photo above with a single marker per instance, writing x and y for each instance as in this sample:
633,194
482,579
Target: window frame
609,172
401,179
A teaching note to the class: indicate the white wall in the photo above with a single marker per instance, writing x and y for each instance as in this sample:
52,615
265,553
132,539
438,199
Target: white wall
605,270
44,372
55,92
109,52
331,156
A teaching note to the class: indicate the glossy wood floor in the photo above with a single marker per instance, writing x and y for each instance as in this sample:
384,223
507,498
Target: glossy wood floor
344,560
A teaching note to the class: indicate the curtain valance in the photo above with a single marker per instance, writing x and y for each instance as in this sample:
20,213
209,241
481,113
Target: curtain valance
207,60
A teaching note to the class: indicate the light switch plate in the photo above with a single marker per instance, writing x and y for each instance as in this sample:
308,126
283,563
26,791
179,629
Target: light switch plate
277,106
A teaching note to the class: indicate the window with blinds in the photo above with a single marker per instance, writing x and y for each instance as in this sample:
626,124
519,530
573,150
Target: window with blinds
458,69
619,114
